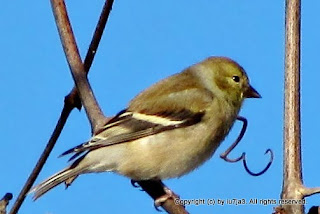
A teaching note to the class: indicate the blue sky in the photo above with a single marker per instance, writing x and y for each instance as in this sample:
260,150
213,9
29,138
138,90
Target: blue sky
144,42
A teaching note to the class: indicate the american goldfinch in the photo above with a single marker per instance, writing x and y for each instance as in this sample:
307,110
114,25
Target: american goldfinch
167,130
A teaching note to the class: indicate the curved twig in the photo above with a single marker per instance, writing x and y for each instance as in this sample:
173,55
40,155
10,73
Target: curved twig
225,157
262,171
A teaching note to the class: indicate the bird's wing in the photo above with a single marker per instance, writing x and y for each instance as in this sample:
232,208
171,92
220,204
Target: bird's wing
130,125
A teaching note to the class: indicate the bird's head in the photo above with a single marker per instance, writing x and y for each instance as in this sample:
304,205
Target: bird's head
230,81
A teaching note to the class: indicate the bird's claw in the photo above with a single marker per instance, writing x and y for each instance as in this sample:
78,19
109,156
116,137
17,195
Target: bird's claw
168,194
136,185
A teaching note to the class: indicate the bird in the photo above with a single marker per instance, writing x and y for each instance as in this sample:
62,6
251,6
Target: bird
167,130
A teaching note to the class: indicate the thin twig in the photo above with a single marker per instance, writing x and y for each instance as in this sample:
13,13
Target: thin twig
43,158
71,101
76,66
97,34
292,142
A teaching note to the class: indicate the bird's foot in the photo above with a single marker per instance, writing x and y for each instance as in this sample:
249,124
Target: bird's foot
169,194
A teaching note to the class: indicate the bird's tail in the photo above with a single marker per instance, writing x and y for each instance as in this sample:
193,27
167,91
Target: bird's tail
56,179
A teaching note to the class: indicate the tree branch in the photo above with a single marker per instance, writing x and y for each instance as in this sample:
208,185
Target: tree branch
71,101
292,182
76,66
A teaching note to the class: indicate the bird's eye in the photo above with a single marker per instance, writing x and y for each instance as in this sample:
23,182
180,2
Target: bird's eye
236,78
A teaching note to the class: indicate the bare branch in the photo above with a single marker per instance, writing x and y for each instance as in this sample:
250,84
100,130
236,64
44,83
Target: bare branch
98,34
71,101
43,158
292,143
76,66
293,187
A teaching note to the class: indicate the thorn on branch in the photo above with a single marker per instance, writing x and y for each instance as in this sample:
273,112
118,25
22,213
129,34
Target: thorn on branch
73,100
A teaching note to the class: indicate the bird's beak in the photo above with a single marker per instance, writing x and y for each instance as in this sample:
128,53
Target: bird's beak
251,93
